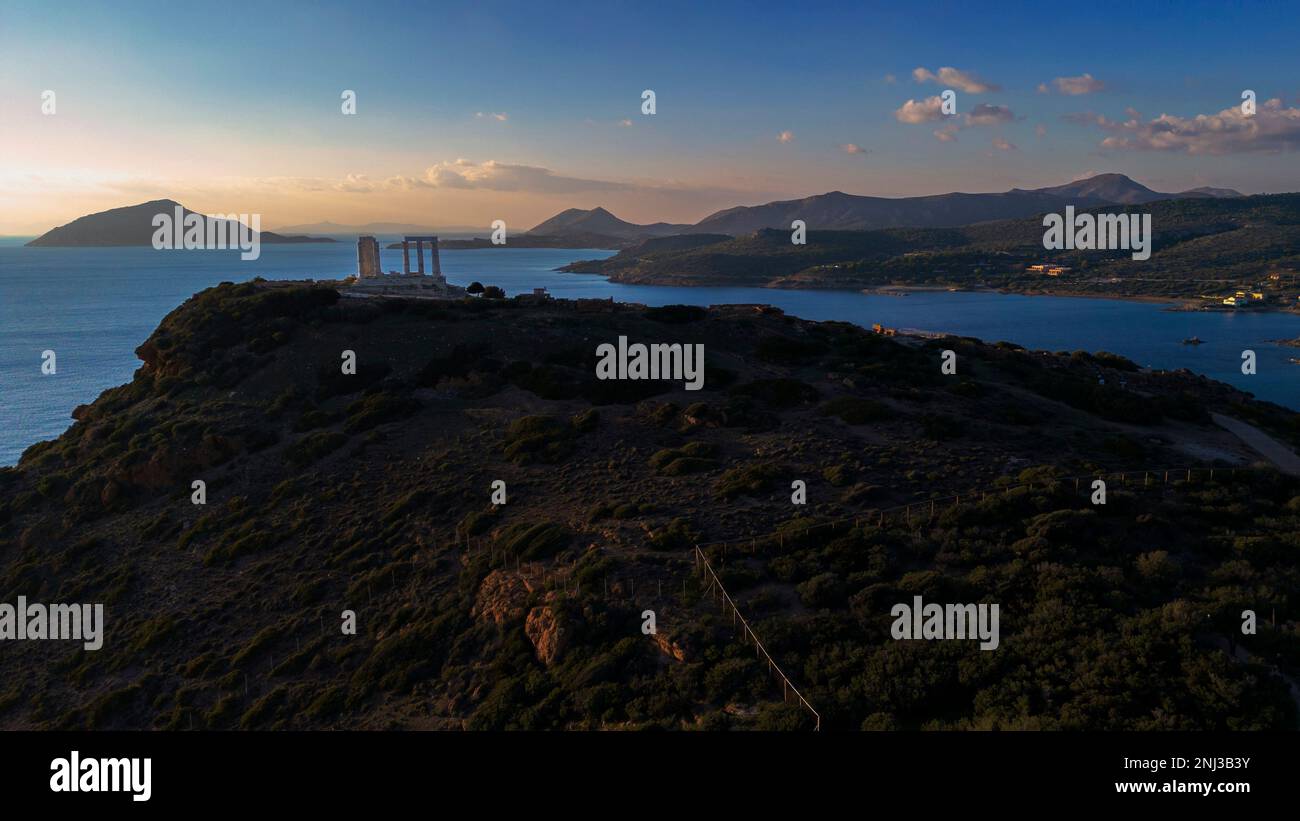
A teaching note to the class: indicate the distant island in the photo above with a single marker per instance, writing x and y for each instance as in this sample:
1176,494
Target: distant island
130,226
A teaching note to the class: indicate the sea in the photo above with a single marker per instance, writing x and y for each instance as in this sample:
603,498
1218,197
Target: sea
93,306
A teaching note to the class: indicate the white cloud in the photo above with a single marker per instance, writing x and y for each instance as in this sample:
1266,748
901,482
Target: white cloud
1002,145
785,136
923,111
853,148
1272,129
500,117
1073,86
355,184
949,76
498,176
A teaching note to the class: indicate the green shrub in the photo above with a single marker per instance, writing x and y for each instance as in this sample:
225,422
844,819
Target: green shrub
586,421
536,541
676,535
691,458
748,479
538,439
838,475
378,408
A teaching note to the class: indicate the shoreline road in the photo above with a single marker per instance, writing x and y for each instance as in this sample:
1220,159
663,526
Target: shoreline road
1260,442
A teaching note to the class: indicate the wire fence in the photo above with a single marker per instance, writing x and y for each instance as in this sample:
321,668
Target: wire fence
718,591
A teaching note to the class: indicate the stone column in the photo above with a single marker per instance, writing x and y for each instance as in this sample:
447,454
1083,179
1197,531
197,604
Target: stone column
406,257
419,251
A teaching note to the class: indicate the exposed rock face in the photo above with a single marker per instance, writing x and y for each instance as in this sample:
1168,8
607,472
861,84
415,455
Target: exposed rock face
547,634
669,647
501,597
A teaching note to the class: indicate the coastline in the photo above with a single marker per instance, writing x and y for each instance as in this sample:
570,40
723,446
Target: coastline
1181,304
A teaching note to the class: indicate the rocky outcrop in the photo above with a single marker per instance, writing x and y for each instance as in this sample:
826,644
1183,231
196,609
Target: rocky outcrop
547,633
501,597
669,648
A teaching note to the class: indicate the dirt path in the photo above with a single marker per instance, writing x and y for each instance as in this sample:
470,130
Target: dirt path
1259,441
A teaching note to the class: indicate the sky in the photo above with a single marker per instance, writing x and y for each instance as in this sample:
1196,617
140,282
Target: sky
471,112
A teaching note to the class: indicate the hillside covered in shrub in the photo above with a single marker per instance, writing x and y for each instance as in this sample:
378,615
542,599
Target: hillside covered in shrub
372,492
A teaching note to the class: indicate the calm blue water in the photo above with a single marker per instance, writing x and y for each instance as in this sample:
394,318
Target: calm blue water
93,306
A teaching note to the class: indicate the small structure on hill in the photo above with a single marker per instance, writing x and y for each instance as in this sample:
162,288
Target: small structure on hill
538,295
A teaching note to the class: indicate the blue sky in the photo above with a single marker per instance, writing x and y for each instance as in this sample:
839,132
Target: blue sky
470,112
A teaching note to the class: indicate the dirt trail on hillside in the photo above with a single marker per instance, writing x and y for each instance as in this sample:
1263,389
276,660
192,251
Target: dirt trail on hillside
1259,441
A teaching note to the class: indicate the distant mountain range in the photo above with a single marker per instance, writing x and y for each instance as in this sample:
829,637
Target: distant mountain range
374,229
837,211
598,228
133,225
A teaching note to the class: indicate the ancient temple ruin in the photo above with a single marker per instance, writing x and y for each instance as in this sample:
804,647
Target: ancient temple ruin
435,265
371,280
368,258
